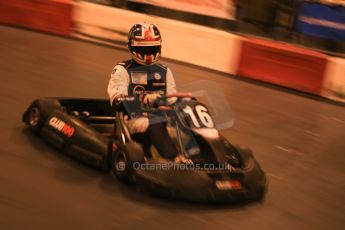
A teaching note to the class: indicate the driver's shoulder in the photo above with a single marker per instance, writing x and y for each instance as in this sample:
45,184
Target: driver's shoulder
163,66
124,64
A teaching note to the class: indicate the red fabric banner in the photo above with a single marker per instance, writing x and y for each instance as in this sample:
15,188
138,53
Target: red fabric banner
53,16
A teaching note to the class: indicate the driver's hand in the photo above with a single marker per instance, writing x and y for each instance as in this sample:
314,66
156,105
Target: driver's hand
150,98
171,100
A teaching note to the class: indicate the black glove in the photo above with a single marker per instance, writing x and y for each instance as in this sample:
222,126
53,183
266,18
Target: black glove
129,105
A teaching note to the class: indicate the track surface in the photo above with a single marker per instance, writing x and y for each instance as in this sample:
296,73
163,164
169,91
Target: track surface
298,141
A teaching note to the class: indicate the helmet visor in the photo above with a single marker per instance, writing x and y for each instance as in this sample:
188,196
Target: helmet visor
146,50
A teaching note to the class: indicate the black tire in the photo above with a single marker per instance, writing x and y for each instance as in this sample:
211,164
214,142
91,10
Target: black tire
127,157
231,153
245,154
39,112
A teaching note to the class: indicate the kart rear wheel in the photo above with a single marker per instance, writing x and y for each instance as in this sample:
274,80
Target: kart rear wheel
39,112
126,159
34,117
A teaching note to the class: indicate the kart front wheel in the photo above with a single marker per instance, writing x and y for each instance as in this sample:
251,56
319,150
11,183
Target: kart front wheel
231,153
127,158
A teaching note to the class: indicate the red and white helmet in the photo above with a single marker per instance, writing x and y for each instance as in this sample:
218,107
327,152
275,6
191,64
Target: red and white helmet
144,43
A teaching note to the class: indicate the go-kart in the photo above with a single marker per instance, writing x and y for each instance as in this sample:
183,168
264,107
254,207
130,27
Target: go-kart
218,172
88,130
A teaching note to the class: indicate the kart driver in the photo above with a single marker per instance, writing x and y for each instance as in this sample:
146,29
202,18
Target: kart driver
145,80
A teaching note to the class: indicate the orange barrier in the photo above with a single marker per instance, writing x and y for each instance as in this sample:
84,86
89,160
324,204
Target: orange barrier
53,16
282,64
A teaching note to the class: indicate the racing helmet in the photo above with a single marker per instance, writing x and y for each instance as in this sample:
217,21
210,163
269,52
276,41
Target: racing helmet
144,43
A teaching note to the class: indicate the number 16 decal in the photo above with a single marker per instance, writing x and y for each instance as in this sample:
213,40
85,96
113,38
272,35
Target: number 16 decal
202,114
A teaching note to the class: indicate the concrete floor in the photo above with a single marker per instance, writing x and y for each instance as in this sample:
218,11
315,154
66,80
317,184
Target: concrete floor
299,142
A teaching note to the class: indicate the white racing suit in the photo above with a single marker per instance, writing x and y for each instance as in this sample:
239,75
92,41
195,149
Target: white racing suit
145,83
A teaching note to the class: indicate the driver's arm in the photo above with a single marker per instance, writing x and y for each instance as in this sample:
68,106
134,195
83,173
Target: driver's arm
118,92
171,85
118,83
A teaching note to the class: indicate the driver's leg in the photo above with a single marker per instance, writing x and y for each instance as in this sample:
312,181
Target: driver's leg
161,140
143,139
